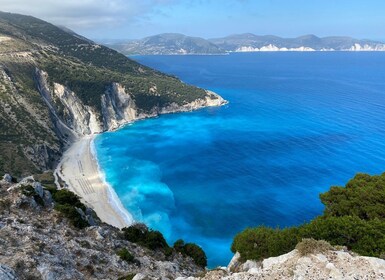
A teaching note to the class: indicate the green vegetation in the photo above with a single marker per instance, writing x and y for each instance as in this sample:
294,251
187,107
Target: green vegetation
46,179
154,240
354,217
192,250
66,203
139,233
125,255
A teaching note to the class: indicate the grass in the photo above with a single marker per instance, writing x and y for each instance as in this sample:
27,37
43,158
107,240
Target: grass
310,246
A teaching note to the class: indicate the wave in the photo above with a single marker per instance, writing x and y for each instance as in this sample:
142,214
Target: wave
113,198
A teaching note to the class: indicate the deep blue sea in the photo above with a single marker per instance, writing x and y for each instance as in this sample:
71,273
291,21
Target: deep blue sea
296,124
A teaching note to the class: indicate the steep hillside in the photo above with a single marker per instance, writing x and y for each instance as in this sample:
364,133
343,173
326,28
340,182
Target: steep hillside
49,234
56,86
168,44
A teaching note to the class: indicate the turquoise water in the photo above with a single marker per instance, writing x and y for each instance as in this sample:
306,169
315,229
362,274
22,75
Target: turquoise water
296,124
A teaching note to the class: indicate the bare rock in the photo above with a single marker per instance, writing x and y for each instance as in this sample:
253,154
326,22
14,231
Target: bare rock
7,273
7,178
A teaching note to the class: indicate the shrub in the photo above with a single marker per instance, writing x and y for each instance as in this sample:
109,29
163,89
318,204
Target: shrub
125,255
66,203
139,233
155,240
311,246
64,196
72,214
263,242
192,250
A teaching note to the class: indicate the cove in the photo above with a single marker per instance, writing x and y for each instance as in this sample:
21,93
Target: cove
296,124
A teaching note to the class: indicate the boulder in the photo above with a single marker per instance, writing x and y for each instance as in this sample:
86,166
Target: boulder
7,178
38,189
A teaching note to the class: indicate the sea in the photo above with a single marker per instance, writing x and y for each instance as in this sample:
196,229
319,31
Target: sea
296,124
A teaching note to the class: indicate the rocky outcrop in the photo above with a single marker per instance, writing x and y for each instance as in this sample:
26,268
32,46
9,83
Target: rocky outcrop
74,119
331,264
71,117
118,107
37,242
41,155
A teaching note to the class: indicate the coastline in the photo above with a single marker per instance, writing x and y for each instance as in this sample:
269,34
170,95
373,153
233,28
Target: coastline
80,171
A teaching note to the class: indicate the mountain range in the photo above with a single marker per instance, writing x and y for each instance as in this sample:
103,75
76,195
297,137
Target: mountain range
173,43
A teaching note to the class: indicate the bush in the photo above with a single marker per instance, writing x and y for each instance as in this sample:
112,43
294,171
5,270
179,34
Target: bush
64,196
155,240
354,217
125,255
139,233
72,214
263,242
311,246
66,203
192,250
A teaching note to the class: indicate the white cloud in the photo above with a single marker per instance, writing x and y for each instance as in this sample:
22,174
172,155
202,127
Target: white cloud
84,13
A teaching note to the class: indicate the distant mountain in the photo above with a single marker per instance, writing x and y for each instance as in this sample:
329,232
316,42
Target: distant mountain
251,42
168,43
171,43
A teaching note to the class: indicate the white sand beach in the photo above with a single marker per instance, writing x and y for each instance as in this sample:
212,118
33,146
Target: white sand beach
79,170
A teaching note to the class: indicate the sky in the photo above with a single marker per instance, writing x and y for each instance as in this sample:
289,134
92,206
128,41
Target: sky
134,19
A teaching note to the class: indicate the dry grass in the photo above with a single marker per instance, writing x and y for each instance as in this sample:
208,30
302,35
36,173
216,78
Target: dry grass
310,246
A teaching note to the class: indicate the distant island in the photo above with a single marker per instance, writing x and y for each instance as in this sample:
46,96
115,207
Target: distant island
179,44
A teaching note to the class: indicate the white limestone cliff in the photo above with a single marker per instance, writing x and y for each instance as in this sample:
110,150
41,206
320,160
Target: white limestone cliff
73,119
273,48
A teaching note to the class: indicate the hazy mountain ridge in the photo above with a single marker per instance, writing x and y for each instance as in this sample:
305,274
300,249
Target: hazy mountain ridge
180,44
168,43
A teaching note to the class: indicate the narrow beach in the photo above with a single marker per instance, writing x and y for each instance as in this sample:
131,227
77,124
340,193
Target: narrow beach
79,170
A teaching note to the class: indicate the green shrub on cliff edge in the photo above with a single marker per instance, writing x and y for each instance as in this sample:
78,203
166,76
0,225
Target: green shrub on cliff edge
139,233
154,240
192,250
66,203
354,217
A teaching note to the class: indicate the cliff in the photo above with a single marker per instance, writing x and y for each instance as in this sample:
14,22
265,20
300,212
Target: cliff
57,86
322,264
37,241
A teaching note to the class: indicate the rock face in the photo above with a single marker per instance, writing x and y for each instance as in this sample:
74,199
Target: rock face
37,242
331,264
74,119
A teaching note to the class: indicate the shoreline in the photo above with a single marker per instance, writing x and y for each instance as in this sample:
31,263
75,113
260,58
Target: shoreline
80,171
